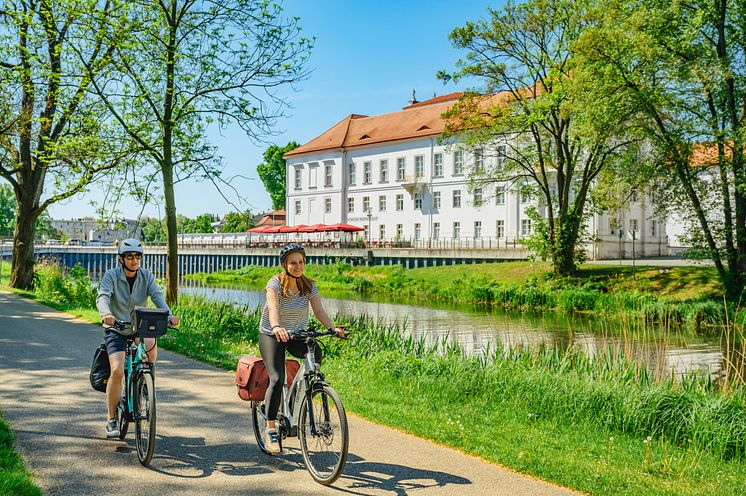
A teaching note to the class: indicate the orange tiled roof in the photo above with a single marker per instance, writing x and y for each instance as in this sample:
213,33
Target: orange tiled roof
275,218
417,120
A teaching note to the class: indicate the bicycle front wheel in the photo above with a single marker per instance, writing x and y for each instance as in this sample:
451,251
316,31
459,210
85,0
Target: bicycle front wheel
145,417
323,435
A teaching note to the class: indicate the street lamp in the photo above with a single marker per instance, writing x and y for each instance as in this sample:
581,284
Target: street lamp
370,214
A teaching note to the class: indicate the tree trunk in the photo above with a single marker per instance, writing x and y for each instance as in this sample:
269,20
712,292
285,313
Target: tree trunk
172,255
22,272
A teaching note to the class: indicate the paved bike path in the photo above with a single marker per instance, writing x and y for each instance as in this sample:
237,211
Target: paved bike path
205,444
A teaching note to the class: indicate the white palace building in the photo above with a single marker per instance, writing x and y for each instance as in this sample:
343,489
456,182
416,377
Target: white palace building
391,175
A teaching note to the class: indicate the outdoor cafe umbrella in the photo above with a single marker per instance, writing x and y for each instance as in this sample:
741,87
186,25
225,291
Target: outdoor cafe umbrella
343,227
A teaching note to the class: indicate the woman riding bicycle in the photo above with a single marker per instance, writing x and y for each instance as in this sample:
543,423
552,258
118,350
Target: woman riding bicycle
285,311
122,289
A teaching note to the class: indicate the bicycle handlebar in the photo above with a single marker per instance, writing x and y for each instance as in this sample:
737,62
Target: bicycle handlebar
121,325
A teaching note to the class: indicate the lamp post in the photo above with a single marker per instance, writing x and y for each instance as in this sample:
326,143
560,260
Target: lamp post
370,214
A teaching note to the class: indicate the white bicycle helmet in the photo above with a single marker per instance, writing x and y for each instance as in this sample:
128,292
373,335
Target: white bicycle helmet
130,245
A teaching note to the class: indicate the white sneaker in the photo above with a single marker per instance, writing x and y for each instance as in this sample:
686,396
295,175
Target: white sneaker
273,442
112,430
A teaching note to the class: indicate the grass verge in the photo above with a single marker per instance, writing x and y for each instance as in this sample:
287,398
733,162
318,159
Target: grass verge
14,479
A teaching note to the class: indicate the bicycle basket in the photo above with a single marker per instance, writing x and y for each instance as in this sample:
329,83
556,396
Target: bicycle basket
149,322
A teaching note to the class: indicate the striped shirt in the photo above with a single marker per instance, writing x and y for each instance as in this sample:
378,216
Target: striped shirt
293,311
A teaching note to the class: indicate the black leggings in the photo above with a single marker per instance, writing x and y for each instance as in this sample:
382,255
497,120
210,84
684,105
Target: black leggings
273,354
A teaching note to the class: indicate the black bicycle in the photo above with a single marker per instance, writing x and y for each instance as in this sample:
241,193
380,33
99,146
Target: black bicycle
311,410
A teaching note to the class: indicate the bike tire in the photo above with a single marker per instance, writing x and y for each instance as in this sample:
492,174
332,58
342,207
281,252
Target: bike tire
122,418
324,453
145,417
259,424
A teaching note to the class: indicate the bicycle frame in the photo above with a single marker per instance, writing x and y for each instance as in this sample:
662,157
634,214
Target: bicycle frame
135,361
308,377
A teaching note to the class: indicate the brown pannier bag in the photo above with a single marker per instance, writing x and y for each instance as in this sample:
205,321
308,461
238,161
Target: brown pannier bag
252,378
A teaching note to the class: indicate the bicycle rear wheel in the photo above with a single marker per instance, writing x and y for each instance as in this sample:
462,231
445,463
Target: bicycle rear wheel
324,444
145,417
259,423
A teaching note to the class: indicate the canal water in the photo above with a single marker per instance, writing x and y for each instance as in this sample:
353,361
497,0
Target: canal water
664,352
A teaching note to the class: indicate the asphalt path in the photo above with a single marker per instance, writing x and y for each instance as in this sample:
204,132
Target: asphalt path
205,445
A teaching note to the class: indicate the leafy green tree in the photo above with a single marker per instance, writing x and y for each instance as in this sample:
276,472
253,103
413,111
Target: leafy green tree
190,63
200,224
7,210
54,135
682,66
154,230
549,133
272,173
235,222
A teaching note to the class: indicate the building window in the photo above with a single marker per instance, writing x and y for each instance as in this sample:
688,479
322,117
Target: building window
436,199
383,166
500,195
458,163
313,172
297,179
419,166
456,229
478,160
501,156
477,228
351,174
297,207
400,202
417,230
653,228
382,203
350,205
401,168
400,231
381,232
525,227
366,204
500,232
633,196
633,224
327,205
436,230
327,175
477,197
367,172
418,201
438,165
456,198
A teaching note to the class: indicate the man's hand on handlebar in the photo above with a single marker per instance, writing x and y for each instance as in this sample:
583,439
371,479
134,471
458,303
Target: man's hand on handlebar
109,320
173,321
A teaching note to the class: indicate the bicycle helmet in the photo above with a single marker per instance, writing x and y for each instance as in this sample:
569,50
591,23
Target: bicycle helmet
130,245
290,248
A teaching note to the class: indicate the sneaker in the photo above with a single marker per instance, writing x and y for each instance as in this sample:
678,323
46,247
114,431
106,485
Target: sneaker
112,430
273,442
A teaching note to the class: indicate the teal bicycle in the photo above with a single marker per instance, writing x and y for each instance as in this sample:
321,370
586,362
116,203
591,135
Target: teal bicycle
138,401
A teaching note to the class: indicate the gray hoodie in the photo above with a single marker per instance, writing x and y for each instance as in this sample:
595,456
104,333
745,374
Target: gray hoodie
114,296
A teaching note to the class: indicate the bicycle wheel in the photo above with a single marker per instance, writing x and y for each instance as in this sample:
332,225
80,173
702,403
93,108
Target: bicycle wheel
145,417
325,447
122,421
259,423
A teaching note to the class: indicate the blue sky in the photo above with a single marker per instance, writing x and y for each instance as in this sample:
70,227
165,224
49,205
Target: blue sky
367,59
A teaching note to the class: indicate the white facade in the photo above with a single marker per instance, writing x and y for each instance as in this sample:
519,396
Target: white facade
437,208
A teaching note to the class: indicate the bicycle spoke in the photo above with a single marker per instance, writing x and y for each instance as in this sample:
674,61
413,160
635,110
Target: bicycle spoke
324,436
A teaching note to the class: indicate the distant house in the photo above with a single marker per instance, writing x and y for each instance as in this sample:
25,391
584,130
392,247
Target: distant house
273,218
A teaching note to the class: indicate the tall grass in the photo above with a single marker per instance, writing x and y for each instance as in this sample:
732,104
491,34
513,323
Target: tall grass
54,283
566,387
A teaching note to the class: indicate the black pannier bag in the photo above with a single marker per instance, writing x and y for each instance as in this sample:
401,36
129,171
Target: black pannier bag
100,369
149,322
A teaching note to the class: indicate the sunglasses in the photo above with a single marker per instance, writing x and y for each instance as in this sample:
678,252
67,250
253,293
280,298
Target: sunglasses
132,256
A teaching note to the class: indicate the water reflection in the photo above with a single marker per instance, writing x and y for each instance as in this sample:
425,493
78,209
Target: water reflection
664,353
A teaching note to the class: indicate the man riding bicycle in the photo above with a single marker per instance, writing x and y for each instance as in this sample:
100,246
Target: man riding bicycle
122,289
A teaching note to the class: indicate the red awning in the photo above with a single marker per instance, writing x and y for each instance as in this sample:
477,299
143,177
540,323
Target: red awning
343,228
